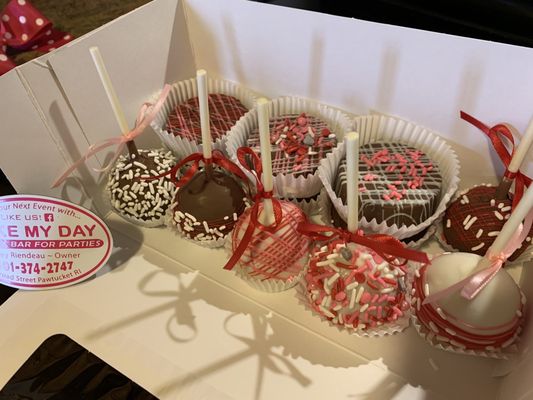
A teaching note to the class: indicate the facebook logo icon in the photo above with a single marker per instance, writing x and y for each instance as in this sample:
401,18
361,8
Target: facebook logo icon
49,217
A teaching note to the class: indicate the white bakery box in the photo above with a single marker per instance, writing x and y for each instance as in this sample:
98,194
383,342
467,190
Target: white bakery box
163,311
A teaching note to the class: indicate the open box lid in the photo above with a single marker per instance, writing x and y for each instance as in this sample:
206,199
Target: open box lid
57,107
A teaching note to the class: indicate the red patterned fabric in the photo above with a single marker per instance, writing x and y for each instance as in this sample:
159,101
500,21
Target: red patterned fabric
24,28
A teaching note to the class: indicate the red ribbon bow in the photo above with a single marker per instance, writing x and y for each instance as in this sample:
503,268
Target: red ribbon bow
387,247
24,28
217,158
256,170
496,135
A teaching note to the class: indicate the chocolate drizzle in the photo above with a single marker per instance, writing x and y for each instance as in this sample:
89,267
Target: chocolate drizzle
224,112
207,209
398,184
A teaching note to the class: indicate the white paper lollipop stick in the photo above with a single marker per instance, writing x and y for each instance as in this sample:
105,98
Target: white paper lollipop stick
267,215
201,81
518,157
351,141
510,227
110,91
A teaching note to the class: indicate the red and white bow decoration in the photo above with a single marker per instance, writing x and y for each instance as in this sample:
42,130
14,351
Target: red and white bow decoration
24,28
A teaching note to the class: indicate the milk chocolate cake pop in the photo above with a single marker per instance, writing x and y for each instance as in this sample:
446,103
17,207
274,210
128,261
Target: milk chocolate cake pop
473,220
138,200
299,142
398,184
206,208
224,112
209,200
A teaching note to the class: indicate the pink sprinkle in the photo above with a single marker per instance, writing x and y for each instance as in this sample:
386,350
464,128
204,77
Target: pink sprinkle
365,298
379,312
375,298
397,182
385,197
352,317
383,298
297,167
369,177
391,187
340,296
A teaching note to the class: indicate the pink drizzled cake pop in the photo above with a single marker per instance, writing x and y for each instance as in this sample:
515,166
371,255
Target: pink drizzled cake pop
467,302
269,252
355,281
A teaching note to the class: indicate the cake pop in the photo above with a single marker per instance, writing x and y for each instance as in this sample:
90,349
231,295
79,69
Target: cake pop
140,202
271,255
474,219
467,302
355,281
208,200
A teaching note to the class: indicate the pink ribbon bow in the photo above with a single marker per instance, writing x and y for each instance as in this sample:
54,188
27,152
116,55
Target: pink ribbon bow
473,284
24,28
141,123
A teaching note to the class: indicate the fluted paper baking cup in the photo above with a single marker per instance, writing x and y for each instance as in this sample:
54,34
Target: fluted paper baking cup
289,185
309,206
324,206
185,90
384,330
381,128
269,285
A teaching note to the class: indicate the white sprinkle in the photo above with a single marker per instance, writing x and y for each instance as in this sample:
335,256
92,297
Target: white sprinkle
206,227
222,227
331,136
364,308
448,223
333,255
352,298
493,233
479,233
518,313
417,273
490,348
235,217
498,215
433,327
465,199
470,223
352,285
387,290
479,246
226,218
450,331
332,280
326,312
140,165
528,239
493,202
278,141
441,313
507,216
500,205
467,219
359,294
324,248
426,289
190,216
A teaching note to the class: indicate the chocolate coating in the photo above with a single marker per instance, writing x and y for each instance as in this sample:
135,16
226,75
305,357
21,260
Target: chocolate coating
144,201
299,142
207,209
224,112
398,184
488,216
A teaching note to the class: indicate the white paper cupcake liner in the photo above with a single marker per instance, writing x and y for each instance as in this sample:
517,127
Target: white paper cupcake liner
309,206
376,128
269,285
384,330
324,205
185,90
527,255
210,244
430,337
289,185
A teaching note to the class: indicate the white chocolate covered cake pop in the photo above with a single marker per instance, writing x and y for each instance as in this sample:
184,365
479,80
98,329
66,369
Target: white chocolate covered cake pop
488,323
